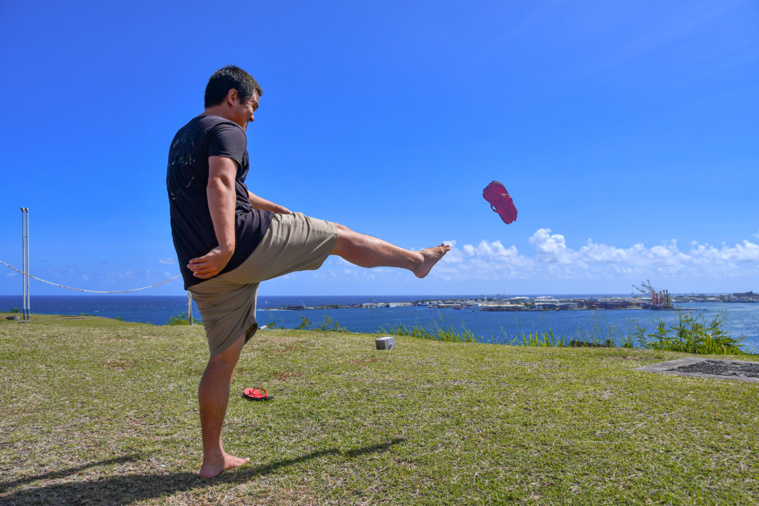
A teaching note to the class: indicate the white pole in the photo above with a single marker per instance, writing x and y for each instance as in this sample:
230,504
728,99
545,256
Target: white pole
28,296
189,307
23,263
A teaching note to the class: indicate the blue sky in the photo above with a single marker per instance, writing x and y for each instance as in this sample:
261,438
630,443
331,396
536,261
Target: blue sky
626,133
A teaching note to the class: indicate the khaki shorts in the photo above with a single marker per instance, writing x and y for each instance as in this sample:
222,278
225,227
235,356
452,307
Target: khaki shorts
227,302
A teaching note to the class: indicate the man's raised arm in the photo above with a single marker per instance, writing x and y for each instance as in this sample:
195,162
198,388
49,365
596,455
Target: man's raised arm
221,204
262,203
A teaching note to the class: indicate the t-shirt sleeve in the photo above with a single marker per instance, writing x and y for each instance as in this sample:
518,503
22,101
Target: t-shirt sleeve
228,141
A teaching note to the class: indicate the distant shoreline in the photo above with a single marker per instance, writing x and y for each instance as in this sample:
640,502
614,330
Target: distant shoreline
540,303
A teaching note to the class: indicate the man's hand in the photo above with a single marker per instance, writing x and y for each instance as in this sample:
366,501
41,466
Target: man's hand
267,205
281,209
210,264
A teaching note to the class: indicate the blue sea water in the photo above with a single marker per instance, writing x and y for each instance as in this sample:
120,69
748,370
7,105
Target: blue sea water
498,327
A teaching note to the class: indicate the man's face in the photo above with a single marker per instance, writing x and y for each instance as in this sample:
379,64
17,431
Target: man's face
243,111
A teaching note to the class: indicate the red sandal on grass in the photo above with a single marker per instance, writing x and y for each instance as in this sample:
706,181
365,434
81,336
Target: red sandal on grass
256,394
500,201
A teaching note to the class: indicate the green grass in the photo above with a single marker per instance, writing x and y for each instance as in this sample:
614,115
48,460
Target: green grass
96,411
436,333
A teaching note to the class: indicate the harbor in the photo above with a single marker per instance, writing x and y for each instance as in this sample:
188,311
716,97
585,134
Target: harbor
648,299
372,314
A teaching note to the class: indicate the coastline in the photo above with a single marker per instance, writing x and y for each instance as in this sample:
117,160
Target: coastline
387,311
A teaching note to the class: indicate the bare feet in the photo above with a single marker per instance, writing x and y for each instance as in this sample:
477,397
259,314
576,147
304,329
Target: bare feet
430,256
217,465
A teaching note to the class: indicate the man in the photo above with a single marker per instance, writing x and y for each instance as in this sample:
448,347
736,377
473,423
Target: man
228,240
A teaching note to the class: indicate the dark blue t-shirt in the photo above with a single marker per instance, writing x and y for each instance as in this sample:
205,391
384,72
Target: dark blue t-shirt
186,182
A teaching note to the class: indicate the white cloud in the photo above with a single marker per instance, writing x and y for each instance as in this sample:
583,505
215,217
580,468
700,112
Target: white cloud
553,259
551,248
745,252
548,256
167,261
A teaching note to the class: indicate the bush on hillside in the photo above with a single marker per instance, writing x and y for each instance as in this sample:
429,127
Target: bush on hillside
691,334
180,319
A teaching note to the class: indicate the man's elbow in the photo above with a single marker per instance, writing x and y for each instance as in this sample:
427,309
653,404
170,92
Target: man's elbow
220,185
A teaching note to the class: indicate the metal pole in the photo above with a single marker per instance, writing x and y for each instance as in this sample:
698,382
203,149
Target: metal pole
189,307
28,296
23,263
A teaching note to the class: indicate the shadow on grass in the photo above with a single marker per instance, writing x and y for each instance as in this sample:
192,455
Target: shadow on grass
129,488
66,472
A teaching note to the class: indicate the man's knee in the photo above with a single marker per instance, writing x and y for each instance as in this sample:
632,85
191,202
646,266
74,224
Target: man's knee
231,354
342,229
343,239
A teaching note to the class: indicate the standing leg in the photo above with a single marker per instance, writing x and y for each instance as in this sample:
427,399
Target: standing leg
213,396
367,251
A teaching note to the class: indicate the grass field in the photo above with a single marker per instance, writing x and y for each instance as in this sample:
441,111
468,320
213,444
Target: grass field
95,411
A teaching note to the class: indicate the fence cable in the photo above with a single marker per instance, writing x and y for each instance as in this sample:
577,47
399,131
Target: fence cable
88,291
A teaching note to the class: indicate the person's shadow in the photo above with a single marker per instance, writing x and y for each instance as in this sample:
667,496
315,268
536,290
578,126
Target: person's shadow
126,489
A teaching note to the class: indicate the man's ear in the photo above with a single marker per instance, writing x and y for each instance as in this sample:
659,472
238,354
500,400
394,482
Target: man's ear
231,96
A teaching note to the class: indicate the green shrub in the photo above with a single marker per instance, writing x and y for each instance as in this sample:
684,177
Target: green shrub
328,325
304,324
180,319
14,310
691,334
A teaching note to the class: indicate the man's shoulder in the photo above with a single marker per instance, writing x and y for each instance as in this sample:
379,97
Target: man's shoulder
209,122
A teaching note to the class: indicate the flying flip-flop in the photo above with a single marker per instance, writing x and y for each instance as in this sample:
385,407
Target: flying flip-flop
500,201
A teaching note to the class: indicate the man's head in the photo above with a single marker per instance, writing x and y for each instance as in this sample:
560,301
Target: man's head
228,78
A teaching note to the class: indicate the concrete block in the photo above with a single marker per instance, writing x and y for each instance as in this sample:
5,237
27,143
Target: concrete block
385,343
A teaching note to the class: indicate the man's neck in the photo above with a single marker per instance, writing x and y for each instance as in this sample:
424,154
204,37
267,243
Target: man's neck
217,110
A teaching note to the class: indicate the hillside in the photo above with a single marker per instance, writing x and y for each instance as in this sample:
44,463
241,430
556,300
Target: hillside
100,411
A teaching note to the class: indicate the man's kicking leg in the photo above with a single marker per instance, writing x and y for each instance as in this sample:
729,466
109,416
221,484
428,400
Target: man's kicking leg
213,396
367,251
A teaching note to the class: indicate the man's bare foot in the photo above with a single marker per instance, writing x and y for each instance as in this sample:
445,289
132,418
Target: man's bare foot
216,466
431,256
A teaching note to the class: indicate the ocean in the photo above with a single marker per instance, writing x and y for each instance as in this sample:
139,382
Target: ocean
496,327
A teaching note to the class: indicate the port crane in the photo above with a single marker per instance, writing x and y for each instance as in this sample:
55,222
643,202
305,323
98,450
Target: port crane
659,298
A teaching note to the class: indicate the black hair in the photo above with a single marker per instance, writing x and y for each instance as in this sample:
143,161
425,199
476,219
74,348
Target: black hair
227,78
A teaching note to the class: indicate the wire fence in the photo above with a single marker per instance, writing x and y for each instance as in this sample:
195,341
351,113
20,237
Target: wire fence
84,290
